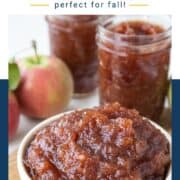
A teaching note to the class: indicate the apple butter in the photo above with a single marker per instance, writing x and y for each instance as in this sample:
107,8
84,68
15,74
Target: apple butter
103,143
134,58
72,38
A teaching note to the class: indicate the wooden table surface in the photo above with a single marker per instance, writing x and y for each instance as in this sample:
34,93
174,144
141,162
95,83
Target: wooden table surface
13,173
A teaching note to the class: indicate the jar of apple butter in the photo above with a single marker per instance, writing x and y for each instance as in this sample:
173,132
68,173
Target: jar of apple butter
134,54
72,38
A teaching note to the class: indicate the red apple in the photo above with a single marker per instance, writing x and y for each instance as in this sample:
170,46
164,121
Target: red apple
46,86
13,112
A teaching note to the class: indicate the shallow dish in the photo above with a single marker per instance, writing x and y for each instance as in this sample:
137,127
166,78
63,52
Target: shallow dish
30,135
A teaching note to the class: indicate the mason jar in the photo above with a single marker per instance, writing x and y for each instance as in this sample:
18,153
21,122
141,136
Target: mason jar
72,38
134,57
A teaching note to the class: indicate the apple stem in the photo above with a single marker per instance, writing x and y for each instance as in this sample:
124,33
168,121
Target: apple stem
12,60
34,46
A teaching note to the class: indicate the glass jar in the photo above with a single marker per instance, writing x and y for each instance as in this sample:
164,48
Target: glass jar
134,54
72,38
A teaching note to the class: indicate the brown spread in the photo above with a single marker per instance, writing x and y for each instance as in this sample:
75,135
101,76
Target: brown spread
72,38
134,59
104,143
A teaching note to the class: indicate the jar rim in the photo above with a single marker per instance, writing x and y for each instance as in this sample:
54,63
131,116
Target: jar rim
51,18
142,44
103,27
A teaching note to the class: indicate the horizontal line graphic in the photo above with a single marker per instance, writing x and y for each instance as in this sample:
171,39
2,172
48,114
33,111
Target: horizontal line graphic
138,5
39,5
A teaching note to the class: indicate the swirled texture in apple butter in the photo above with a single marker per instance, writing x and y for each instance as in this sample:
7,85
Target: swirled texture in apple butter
104,143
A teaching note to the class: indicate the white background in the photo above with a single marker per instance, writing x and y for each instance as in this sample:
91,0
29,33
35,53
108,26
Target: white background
24,28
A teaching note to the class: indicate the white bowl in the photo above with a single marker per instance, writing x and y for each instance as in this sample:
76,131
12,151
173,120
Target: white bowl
30,135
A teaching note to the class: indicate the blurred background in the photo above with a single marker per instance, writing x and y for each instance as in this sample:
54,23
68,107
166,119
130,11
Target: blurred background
22,29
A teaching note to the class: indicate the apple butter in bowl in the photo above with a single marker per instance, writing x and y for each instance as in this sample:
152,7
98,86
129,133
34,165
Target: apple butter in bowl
108,142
